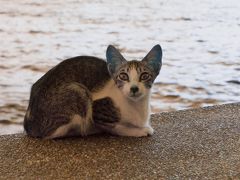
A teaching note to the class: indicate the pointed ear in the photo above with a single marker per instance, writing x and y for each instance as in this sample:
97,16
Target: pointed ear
154,59
114,59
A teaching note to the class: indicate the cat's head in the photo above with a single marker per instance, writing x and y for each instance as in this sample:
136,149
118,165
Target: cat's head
134,78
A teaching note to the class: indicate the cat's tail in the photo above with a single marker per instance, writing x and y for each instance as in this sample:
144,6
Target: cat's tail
31,127
67,112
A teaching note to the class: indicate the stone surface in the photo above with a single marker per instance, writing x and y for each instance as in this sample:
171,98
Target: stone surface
198,143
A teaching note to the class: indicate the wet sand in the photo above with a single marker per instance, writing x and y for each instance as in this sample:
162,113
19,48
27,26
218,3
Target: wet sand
199,143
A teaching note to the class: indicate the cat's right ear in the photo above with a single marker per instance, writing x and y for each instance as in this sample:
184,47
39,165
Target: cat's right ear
114,59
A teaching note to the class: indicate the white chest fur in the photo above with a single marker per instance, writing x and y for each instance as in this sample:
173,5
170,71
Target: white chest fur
135,113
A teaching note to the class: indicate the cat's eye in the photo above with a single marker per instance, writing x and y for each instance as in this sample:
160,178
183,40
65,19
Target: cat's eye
123,76
144,76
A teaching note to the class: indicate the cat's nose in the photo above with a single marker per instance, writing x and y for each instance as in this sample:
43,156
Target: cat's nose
134,89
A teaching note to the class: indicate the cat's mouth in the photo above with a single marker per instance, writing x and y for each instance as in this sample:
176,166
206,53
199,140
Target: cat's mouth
135,96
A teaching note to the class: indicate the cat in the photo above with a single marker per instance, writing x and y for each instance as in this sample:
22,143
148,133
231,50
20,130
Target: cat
86,95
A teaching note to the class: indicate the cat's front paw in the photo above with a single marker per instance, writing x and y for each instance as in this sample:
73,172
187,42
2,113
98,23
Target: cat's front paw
148,131
144,131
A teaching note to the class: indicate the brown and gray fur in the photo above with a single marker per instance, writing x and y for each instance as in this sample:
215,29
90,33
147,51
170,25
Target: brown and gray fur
85,95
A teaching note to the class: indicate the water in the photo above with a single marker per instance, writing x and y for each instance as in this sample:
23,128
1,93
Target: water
200,40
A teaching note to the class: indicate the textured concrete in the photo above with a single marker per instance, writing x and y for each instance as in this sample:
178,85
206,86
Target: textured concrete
200,143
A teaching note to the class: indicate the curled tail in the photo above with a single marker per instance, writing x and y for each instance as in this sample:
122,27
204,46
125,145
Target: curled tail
60,112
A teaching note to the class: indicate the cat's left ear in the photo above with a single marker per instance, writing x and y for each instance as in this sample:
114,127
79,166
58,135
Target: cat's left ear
154,59
114,59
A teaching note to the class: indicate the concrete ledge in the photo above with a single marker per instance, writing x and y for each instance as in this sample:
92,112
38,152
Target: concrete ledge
198,143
